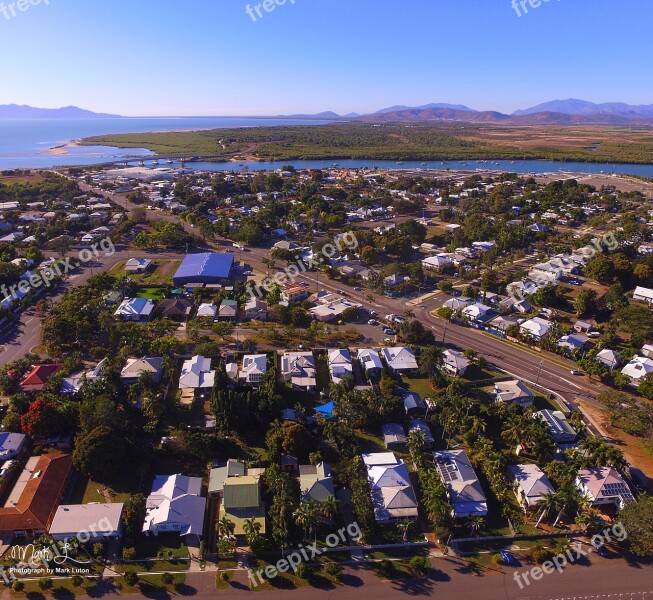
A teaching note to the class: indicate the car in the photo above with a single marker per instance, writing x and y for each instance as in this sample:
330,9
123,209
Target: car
507,558
576,372
594,334
247,273
388,340
602,551
358,289
372,322
389,331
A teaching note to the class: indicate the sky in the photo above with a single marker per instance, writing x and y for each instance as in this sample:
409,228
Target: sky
209,57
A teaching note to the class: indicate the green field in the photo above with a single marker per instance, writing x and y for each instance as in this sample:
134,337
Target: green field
414,141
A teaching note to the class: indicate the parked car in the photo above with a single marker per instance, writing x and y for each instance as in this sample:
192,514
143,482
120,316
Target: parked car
602,551
576,372
389,331
372,322
507,558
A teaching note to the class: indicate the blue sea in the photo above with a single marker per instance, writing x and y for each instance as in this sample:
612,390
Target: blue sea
27,143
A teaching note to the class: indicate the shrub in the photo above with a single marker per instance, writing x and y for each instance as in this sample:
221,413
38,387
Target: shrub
419,564
300,570
45,583
539,554
131,578
128,553
167,578
76,580
18,586
224,575
333,569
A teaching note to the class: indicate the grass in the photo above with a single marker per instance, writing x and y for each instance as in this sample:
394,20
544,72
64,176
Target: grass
93,493
153,293
149,584
420,141
420,385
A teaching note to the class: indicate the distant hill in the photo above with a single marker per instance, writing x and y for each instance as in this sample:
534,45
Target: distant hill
15,111
537,118
392,109
326,115
585,108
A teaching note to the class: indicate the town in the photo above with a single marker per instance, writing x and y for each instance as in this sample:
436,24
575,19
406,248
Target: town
225,367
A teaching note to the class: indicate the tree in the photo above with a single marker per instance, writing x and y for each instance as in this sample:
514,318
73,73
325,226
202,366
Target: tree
133,514
475,523
100,453
252,529
431,360
585,302
128,553
131,578
167,578
42,420
225,527
637,520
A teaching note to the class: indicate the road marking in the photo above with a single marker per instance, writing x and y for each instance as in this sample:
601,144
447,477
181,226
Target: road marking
570,383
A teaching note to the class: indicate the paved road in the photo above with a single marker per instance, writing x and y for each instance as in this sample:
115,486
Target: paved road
452,580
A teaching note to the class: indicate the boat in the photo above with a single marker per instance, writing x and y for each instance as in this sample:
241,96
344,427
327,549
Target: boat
169,161
141,163
155,162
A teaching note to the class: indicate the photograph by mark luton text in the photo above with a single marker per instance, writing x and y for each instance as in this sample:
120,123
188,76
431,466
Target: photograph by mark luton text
322,298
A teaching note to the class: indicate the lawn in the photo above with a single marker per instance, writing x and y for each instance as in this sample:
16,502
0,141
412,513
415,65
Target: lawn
153,293
98,492
420,385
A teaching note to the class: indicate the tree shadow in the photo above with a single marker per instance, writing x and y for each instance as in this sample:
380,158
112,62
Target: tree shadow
352,580
414,587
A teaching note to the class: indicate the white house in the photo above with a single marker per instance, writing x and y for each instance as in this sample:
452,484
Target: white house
138,265
101,521
207,311
455,362
477,311
135,367
438,262
638,368
531,485
513,392
339,364
135,309
11,445
255,367
196,373
536,327
256,309
458,303
175,504
643,294
370,362
400,360
603,485
298,368
608,357
561,431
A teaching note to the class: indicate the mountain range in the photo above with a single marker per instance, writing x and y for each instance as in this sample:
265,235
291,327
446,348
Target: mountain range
556,112
15,111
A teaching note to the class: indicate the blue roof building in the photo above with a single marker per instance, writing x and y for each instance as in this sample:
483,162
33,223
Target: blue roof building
208,267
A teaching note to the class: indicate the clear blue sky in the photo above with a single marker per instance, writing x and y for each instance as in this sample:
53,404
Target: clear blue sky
208,57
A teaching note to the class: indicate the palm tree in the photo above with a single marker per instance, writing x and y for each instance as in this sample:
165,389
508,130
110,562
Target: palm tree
226,527
416,441
549,503
475,523
404,527
329,507
252,529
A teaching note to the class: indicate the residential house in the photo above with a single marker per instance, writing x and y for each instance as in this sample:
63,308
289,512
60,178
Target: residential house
393,495
138,265
218,475
561,431
74,383
531,485
135,309
174,308
370,362
400,360
463,487
207,311
604,486
316,482
33,501
582,327
647,350
298,369
135,367
537,328
643,294
608,357
394,436
638,368
196,374
340,365
228,310
413,404
419,425
100,521
255,366
513,392
37,377
11,445
175,504
458,303
455,362
256,309
572,342
437,262
478,312
242,500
